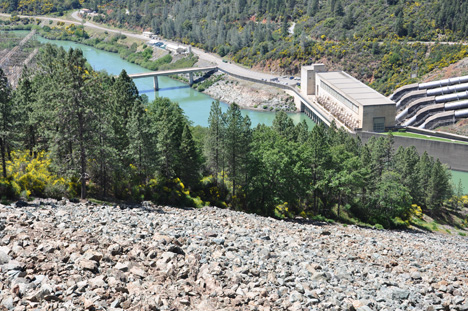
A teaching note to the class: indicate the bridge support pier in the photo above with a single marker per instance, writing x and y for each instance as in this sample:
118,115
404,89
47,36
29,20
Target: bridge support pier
190,78
156,83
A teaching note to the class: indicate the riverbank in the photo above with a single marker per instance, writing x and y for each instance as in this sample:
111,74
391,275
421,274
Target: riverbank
160,258
253,96
248,95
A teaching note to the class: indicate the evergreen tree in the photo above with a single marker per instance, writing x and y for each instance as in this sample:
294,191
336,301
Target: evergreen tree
6,110
439,188
167,122
284,126
236,146
190,160
24,98
67,96
213,147
424,168
139,150
124,97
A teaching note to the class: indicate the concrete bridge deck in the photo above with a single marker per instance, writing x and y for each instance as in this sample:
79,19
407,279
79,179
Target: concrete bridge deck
170,72
156,74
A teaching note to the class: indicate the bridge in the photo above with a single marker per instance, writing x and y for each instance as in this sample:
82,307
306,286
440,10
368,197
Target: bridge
156,74
314,111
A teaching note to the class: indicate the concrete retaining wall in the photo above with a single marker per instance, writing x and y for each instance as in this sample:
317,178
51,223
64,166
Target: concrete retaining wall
453,154
284,87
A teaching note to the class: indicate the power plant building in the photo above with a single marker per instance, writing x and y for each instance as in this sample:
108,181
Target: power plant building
350,101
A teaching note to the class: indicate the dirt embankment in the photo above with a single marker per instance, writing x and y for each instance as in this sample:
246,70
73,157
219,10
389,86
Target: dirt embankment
248,95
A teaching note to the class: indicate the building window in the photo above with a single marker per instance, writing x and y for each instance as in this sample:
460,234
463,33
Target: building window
339,97
379,124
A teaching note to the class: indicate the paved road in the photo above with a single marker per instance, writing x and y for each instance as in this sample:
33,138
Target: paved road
210,57
215,59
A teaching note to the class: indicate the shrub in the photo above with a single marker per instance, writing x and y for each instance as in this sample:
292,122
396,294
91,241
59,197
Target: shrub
171,192
9,188
55,191
33,175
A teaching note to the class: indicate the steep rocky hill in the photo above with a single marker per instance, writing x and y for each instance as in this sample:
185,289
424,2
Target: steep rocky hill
65,256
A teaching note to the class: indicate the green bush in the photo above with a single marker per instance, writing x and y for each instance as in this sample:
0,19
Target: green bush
55,191
9,188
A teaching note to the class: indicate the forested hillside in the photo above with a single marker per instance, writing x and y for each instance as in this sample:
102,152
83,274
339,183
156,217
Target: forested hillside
365,38
70,131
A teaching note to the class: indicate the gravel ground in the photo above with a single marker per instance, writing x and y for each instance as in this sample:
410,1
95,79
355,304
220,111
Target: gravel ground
57,255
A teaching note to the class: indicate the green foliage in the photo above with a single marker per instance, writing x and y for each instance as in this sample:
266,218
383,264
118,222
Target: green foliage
9,188
32,175
171,192
90,132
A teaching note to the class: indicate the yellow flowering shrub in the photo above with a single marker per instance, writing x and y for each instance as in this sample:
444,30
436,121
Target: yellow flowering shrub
33,174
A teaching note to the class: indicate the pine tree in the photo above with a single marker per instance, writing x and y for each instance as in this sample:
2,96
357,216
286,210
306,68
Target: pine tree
439,188
5,118
139,150
213,146
24,98
167,121
236,145
190,160
424,168
124,97
68,99
284,126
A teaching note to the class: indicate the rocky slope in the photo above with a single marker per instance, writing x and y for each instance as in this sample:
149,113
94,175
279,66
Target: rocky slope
66,256
249,95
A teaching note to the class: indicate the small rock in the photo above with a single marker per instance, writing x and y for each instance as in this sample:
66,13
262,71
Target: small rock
90,265
176,249
400,294
4,258
122,266
138,272
7,303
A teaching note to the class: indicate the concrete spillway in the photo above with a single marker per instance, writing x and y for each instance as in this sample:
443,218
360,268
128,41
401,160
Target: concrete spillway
449,91
458,110
424,113
402,91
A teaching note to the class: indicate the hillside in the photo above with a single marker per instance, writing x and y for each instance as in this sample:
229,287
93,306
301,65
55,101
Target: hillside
159,258
281,35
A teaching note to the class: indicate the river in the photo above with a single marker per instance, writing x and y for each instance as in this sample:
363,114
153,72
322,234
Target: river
196,105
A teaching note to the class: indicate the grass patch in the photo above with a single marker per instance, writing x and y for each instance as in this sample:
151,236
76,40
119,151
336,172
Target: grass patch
420,136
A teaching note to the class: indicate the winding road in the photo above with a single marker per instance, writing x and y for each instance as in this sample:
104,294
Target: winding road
210,57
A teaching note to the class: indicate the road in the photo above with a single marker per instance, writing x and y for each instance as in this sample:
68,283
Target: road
210,57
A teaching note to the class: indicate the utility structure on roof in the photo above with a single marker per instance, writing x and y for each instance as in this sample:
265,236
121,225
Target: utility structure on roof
351,102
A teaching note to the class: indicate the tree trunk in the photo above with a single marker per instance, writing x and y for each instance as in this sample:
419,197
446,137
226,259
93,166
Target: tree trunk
2,143
82,157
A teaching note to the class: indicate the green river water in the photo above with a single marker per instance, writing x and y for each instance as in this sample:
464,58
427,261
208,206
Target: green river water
196,105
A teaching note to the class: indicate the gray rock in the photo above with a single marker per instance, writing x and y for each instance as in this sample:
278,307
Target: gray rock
90,265
7,303
400,294
122,266
4,258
